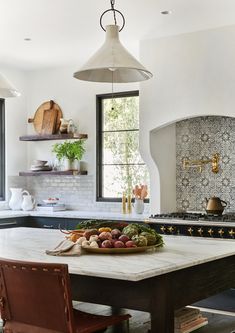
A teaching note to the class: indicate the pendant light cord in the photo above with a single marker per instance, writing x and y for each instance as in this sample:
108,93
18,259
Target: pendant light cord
112,2
112,91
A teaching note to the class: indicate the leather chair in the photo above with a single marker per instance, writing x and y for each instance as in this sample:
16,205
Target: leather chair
36,298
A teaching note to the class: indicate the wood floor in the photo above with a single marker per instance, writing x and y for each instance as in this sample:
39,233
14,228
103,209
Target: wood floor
139,323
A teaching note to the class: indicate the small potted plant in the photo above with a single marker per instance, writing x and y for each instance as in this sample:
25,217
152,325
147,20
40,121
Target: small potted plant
71,152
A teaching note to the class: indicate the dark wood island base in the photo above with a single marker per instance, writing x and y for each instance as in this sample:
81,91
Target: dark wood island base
159,295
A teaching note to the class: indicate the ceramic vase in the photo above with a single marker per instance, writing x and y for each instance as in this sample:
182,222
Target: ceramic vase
139,206
16,198
28,202
71,165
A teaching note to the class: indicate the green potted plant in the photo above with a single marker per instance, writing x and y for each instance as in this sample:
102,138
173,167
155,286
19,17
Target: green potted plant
71,152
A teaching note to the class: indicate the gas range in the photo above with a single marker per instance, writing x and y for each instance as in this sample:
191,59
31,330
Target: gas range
194,224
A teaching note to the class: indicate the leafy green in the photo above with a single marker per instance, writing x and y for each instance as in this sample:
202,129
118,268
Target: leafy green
90,224
70,150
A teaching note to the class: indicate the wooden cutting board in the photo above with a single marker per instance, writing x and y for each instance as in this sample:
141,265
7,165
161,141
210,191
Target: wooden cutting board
47,118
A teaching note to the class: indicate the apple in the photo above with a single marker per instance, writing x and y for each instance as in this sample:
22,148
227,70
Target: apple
124,238
130,243
116,233
105,235
119,244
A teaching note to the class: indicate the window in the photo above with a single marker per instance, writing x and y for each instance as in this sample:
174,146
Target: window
2,150
119,164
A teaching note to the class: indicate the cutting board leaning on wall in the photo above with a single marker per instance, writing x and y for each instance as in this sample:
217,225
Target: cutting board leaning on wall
47,118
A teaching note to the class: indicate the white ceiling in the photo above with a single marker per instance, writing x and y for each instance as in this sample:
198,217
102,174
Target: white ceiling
67,31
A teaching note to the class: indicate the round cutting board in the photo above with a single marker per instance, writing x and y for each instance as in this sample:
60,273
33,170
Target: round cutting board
39,114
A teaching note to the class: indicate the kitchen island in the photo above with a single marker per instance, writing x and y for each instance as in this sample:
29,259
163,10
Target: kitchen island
184,271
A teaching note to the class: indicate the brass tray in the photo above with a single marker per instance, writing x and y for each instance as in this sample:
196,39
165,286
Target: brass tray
120,250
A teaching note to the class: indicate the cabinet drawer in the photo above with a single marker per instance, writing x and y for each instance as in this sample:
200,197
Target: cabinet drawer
13,222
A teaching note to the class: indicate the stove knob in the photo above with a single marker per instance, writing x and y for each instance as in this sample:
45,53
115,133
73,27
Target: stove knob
231,233
200,231
221,232
210,231
171,229
190,231
163,229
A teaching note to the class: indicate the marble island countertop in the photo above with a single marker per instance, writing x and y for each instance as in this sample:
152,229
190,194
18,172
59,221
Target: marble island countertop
75,214
179,252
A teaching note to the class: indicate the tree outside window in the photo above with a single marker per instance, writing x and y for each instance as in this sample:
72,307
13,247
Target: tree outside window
120,166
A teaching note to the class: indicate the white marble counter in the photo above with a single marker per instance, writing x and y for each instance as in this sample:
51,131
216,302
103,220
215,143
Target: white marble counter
7,214
179,252
92,215
76,214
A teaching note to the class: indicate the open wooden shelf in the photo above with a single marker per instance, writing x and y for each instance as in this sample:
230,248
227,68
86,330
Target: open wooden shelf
42,137
53,173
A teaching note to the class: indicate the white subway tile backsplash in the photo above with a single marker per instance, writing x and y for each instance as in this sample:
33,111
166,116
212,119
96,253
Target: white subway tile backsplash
77,192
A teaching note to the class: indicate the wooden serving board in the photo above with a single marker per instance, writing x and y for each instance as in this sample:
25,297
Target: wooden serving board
47,118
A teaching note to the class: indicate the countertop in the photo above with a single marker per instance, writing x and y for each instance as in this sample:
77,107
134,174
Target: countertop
179,252
76,214
73,214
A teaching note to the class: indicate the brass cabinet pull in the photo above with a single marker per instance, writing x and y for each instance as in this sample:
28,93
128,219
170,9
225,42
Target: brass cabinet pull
171,229
190,231
221,232
231,233
163,229
200,231
210,231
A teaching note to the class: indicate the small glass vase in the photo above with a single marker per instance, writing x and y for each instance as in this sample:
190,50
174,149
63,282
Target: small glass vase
139,206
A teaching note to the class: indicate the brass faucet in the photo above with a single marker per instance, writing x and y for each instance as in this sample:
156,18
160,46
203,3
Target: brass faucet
199,164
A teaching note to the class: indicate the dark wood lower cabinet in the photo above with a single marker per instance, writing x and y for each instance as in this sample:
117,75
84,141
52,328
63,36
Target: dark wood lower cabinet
53,223
13,222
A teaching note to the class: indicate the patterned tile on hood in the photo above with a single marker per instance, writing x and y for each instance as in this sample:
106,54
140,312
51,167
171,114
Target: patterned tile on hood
200,138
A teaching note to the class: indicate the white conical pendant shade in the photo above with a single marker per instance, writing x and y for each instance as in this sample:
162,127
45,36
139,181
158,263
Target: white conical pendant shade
6,89
113,63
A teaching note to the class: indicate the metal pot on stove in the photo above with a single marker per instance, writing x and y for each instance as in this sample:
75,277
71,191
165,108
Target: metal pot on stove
215,206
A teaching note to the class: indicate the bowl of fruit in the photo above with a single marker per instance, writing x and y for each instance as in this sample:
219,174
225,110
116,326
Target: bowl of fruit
51,201
107,239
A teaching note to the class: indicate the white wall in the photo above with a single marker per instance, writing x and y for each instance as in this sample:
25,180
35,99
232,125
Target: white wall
16,114
193,76
163,152
77,100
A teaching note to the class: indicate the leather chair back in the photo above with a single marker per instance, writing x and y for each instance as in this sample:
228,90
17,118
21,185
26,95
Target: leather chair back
35,297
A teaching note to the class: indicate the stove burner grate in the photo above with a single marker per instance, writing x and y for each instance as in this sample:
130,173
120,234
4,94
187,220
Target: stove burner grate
230,217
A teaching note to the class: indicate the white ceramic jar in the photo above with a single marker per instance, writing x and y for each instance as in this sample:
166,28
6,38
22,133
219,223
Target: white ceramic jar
139,206
16,198
28,202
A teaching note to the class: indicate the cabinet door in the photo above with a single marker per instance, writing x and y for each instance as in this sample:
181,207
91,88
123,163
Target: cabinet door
71,224
47,223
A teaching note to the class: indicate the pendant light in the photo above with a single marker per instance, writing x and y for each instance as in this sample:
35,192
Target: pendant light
112,62
6,88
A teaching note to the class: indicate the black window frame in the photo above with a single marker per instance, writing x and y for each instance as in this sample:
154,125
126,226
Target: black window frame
99,146
2,149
